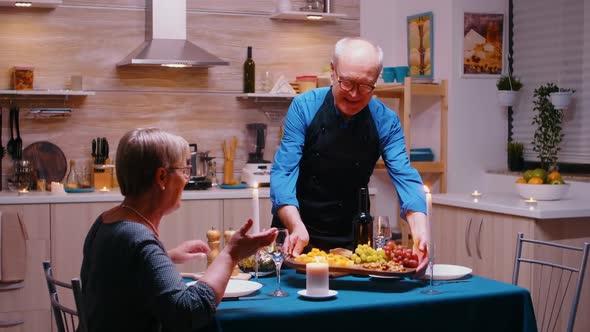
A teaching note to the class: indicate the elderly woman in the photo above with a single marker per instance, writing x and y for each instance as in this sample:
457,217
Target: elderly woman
129,281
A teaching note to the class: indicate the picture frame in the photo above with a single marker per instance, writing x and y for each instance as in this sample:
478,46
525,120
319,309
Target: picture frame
483,45
420,29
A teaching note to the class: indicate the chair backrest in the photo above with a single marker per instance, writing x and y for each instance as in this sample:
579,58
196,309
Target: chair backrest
556,274
67,319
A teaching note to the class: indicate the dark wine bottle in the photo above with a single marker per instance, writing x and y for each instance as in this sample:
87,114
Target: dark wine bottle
249,79
362,223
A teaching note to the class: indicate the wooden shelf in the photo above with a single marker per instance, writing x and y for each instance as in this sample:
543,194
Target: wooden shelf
268,97
405,92
47,92
421,166
299,15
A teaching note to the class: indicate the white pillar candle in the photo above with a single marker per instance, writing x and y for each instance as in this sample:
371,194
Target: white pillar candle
317,279
255,210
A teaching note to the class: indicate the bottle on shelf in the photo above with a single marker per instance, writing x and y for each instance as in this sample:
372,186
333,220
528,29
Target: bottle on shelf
249,72
72,177
362,222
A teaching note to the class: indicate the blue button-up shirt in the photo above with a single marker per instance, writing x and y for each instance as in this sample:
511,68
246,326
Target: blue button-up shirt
285,169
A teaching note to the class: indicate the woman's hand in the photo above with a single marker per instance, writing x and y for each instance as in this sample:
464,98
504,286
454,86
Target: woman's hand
421,237
242,245
188,250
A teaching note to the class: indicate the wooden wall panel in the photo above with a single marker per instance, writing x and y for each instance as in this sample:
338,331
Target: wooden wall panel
88,38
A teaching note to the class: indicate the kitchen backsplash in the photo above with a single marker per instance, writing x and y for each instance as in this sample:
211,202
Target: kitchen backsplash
88,39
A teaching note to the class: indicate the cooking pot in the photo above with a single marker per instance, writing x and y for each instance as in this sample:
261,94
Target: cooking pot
203,164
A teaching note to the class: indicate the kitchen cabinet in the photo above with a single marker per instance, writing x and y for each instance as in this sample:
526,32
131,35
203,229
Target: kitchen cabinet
484,241
405,93
29,304
191,221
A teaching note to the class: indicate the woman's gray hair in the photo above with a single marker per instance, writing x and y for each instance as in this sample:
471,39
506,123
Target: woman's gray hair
141,152
344,44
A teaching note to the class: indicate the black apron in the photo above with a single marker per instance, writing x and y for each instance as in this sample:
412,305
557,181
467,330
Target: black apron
338,159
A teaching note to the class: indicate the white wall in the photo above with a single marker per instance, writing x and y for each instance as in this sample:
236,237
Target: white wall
477,125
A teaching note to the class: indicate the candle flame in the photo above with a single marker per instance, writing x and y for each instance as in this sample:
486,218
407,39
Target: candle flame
255,185
426,190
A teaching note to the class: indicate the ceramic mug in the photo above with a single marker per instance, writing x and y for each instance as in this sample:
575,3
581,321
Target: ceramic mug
388,74
401,73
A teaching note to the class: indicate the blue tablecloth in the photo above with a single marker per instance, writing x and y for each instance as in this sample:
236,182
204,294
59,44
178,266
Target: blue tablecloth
365,304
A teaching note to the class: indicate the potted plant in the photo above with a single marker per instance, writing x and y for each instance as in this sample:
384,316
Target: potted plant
508,87
548,119
515,156
562,98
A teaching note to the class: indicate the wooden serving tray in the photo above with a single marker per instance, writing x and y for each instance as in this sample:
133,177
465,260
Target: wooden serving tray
356,269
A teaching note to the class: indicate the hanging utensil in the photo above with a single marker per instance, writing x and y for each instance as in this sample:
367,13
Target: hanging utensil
94,150
19,142
106,149
11,142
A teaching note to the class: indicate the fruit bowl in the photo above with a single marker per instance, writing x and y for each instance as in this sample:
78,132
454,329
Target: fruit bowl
542,192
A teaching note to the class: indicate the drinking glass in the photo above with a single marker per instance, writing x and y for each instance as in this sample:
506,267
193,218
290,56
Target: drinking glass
279,251
431,256
381,231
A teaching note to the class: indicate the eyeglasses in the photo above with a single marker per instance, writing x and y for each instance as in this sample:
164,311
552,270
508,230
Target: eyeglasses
362,88
186,171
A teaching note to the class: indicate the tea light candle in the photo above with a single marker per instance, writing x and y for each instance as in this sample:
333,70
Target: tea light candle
255,210
531,202
23,191
317,279
476,194
104,189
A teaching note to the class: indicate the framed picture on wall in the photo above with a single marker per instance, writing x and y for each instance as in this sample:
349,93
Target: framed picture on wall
483,44
421,46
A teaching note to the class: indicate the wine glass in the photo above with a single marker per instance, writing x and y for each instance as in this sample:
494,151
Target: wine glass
430,290
279,251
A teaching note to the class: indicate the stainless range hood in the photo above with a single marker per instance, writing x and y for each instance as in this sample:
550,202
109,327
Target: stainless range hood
166,43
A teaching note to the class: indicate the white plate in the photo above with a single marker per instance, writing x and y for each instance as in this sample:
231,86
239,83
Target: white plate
447,272
237,288
383,277
331,293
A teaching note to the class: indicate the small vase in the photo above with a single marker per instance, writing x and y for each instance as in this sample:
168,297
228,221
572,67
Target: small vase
507,98
561,100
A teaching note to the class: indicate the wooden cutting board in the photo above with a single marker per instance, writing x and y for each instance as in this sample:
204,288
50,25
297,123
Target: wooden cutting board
355,269
48,161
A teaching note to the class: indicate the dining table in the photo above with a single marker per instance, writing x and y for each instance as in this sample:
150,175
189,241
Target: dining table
364,303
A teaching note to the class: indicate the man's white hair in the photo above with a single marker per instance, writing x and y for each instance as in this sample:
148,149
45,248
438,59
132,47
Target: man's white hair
344,44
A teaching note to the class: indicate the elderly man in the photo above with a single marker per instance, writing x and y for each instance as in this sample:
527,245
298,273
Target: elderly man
332,140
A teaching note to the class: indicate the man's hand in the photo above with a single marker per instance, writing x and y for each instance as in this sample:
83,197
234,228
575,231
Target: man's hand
421,237
298,235
188,250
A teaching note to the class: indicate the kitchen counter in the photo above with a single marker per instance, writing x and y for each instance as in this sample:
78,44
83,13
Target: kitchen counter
513,204
34,197
115,196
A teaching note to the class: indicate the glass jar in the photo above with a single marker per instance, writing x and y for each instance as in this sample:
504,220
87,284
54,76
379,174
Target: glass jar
22,176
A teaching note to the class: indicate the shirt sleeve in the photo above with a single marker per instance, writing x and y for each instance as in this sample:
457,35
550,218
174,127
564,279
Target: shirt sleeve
405,178
285,168
179,307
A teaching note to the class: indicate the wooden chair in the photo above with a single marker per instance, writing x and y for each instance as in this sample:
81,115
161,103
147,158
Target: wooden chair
556,274
66,319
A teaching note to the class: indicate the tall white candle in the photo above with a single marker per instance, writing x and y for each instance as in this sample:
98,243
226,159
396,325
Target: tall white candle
428,203
255,210
317,279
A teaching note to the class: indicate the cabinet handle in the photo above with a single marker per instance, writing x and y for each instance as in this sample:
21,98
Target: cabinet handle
467,237
478,238
11,322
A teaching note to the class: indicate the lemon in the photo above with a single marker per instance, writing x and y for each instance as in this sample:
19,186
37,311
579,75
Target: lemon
535,180
520,180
